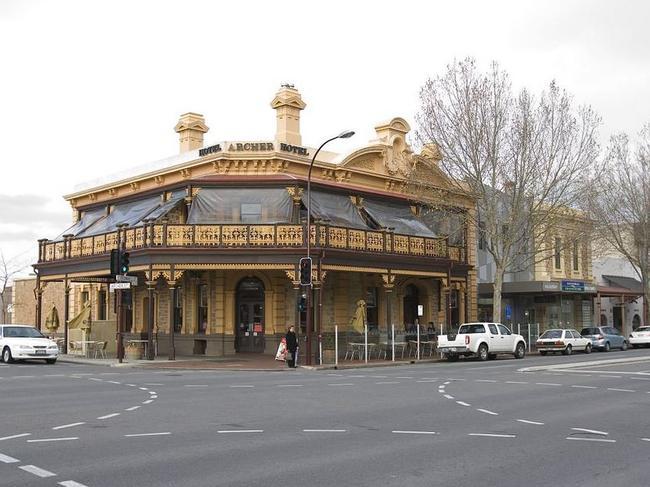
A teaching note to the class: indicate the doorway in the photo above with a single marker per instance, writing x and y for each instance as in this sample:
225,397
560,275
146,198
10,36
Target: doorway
618,317
411,301
249,313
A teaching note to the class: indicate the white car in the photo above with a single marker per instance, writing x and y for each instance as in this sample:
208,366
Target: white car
565,341
20,342
483,340
640,337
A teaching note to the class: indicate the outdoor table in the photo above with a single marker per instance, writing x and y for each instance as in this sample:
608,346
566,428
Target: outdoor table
84,346
144,342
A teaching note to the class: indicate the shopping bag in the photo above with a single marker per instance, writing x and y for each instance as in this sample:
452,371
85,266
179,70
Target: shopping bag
281,354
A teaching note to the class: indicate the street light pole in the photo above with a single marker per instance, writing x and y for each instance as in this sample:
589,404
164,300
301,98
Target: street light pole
343,135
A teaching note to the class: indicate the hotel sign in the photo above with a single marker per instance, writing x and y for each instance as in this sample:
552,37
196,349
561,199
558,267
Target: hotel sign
253,147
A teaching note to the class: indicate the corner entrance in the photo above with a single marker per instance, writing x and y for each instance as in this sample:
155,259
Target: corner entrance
249,313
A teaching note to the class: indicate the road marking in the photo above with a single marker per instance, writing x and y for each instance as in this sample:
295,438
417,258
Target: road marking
143,388
148,401
324,431
538,423
610,376
488,412
240,386
638,378
492,435
645,439
485,380
68,425
240,431
619,390
448,396
23,377
446,383
131,385
404,377
155,384
114,382
341,384
112,415
426,381
45,440
196,385
595,432
95,379
547,384
8,459
405,432
71,483
373,376
462,403
153,393
290,385
516,382
602,440
132,408
154,397
14,436
39,472
148,434
585,387
356,376
388,382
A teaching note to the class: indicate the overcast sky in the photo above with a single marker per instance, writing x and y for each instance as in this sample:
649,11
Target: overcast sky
90,88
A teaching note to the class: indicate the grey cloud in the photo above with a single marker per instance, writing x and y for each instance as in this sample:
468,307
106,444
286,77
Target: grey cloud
32,210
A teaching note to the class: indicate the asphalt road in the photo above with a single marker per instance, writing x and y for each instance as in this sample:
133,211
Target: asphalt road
465,423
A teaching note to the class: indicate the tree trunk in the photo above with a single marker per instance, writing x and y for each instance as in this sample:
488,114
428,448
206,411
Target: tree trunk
496,294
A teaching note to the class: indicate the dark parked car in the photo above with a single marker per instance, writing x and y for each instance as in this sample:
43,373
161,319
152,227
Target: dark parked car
604,337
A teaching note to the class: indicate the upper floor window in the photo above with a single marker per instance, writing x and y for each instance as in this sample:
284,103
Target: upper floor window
576,256
251,212
558,253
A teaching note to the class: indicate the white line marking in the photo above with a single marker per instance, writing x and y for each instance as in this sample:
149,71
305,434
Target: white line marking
426,381
72,483
356,376
39,472
155,384
153,397
344,384
595,432
619,390
324,431
196,385
96,379
148,401
114,382
645,439
484,380
240,386
68,425
488,412
448,396
446,383
492,435
14,436
388,382
404,432
131,385
404,377
462,403
148,434
547,384
143,388
538,423
132,408
153,392
602,440
8,459
585,387
638,378
240,431
610,376
516,382
112,415
45,440
290,385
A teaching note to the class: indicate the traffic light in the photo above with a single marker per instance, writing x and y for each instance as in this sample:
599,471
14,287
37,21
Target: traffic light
305,271
124,262
115,262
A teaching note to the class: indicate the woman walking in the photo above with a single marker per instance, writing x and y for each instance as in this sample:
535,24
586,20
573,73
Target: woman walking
292,347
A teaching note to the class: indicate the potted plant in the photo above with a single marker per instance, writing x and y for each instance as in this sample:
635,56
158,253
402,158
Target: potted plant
133,351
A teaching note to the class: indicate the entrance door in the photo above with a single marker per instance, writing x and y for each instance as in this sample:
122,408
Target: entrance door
250,316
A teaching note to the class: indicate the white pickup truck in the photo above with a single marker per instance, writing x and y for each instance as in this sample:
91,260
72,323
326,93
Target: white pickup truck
484,340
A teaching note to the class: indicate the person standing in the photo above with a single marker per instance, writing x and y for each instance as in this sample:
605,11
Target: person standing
292,347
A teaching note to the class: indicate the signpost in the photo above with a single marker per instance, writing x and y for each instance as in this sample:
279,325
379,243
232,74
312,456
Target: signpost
131,279
119,285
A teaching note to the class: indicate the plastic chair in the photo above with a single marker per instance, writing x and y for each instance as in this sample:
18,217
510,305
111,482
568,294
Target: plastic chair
100,349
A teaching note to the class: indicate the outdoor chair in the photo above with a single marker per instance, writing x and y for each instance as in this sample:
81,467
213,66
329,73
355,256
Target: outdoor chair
100,349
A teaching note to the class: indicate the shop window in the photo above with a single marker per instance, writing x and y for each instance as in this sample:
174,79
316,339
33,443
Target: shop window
101,305
558,253
202,308
178,309
371,308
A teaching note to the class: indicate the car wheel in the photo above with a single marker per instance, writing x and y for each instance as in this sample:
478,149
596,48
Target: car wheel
492,356
6,356
520,350
607,347
50,361
482,352
588,348
543,352
452,357
568,350
624,346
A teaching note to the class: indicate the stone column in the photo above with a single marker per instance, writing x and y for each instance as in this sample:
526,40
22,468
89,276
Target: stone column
388,284
172,288
151,286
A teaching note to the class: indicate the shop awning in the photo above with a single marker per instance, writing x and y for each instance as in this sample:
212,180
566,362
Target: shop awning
167,206
86,219
130,213
634,285
241,205
335,209
398,216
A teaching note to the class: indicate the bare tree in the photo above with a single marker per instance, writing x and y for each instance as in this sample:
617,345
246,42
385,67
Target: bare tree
8,270
524,158
621,206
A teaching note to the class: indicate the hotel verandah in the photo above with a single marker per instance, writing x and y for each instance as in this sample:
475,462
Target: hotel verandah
215,235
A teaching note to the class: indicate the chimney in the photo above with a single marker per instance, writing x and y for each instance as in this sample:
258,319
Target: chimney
190,128
287,104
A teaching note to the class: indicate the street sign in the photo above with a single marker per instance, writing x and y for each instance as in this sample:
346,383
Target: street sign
132,279
119,285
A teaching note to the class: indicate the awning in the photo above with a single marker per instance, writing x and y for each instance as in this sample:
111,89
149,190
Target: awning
130,213
336,209
167,206
241,205
398,216
630,283
86,219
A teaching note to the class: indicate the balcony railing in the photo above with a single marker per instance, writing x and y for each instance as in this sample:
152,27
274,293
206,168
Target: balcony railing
248,236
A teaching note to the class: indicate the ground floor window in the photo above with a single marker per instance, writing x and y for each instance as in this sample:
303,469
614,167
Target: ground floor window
101,305
372,314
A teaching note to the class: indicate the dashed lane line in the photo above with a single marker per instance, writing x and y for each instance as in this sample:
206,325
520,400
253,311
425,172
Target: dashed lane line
584,387
485,380
341,384
547,384
108,416
449,396
516,382
406,432
619,390
487,411
239,431
594,432
133,408
162,433
148,401
492,435
388,382
241,386
21,435
463,403
527,421
39,472
8,459
196,385
71,483
71,425
324,431
290,385
47,440
600,440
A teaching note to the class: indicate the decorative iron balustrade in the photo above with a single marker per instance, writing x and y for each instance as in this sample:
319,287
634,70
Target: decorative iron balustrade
248,236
